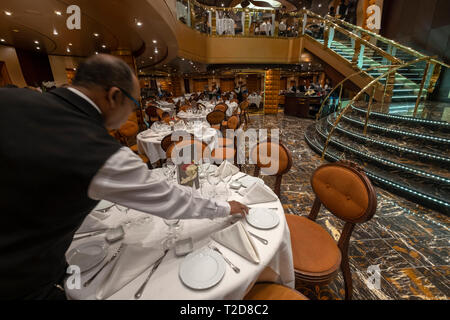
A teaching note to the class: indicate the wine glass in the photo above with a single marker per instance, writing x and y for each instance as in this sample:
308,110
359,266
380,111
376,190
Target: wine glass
172,233
214,180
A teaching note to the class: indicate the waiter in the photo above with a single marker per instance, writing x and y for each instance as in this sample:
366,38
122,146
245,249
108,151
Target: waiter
58,160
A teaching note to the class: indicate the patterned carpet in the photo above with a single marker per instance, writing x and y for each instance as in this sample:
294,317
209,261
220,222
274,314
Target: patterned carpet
410,244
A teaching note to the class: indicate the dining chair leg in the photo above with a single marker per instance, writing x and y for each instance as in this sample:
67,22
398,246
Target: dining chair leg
278,185
347,278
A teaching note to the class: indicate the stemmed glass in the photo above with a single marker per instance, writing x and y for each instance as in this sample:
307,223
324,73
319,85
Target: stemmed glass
169,170
172,233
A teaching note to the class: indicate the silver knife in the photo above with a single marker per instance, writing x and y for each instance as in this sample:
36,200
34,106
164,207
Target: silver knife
111,259
138,294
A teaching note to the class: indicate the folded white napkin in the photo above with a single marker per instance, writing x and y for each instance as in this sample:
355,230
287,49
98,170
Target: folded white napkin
248,181
133,260
258,193
93,222
226,169
237,239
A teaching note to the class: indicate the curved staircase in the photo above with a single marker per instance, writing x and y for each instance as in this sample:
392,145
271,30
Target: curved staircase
408,156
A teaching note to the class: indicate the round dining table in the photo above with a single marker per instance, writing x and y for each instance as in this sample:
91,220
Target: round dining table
275,265
149,141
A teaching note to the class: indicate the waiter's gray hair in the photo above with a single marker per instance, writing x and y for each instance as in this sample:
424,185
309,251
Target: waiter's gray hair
105,71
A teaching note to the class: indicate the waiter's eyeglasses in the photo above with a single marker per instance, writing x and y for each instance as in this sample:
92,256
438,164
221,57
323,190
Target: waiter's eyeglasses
138,105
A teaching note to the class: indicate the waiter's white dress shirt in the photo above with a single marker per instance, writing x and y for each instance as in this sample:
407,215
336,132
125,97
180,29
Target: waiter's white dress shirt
126,180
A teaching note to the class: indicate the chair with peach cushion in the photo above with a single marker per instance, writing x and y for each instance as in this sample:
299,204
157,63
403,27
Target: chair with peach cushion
243,107
198,149
127,136
273,159
222,107
233,124
273,291
345,190
173,137
215,118
219,155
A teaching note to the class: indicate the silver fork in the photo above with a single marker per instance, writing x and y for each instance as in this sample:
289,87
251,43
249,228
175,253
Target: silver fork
235,269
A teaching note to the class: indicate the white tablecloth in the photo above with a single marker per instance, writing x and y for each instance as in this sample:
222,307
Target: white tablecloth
276,263
254,99
191,116
151,146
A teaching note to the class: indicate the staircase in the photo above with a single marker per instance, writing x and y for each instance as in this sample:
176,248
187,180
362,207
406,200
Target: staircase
408,156
407,80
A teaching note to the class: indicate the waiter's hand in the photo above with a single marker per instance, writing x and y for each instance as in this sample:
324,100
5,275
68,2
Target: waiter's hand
238,208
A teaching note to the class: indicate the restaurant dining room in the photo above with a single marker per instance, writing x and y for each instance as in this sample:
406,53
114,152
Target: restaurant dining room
222,155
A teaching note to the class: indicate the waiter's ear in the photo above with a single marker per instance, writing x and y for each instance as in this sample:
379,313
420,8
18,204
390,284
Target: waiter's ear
114,97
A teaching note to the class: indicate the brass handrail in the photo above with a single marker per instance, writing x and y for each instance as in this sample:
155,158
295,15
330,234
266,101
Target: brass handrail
356,37
386,40
347,78
336,122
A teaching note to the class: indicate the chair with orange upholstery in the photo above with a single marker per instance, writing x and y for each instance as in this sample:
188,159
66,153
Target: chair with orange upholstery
270,164
127,136
215,119
347,193
222,107
165,117
273,291
173,137
152,113
198,149
232,123
243,107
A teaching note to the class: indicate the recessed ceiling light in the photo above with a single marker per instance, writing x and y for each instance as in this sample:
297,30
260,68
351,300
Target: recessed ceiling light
58,13
96,52
8,13
139,23
154,41
38,48
70,43
55,32
103,46
35,41
15,30
96,34
68,50
2,40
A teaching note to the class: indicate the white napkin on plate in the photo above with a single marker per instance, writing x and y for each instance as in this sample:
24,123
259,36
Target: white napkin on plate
237,239
258,193
93,222
226,169
248,181
131,262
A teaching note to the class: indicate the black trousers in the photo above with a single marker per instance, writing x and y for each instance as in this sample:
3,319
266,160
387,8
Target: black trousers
49,292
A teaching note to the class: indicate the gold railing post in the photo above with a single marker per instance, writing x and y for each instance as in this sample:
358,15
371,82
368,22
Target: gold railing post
340,95
434,77
419,97
368,111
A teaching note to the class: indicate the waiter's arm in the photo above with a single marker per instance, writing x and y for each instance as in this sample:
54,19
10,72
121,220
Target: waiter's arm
126,180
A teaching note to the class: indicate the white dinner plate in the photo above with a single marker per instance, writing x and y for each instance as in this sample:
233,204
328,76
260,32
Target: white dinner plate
103,205
262,218
202,269
88,255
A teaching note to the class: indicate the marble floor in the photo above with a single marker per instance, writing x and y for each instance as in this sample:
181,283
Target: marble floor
409,243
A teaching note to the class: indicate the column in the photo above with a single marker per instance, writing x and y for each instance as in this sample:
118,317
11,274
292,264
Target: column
271,91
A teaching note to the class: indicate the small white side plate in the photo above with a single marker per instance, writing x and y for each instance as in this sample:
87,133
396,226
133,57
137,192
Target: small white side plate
262,218
202,269
88,255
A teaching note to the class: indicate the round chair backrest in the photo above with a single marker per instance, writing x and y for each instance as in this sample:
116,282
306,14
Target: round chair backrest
192,149
273,158
233,122
215,117
345,190
174,137
133,117
185,107
159,112
244,105
151,111
222,107
129,129
165,117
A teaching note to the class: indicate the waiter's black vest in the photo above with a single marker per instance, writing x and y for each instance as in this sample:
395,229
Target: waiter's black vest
51,146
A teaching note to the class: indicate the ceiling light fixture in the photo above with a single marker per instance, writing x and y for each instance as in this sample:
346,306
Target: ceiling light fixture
96,52
38,48
68,50
96,34
55,32
35,41
70,43
2,40
103,46
8,13
154,41
139,23
58,13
